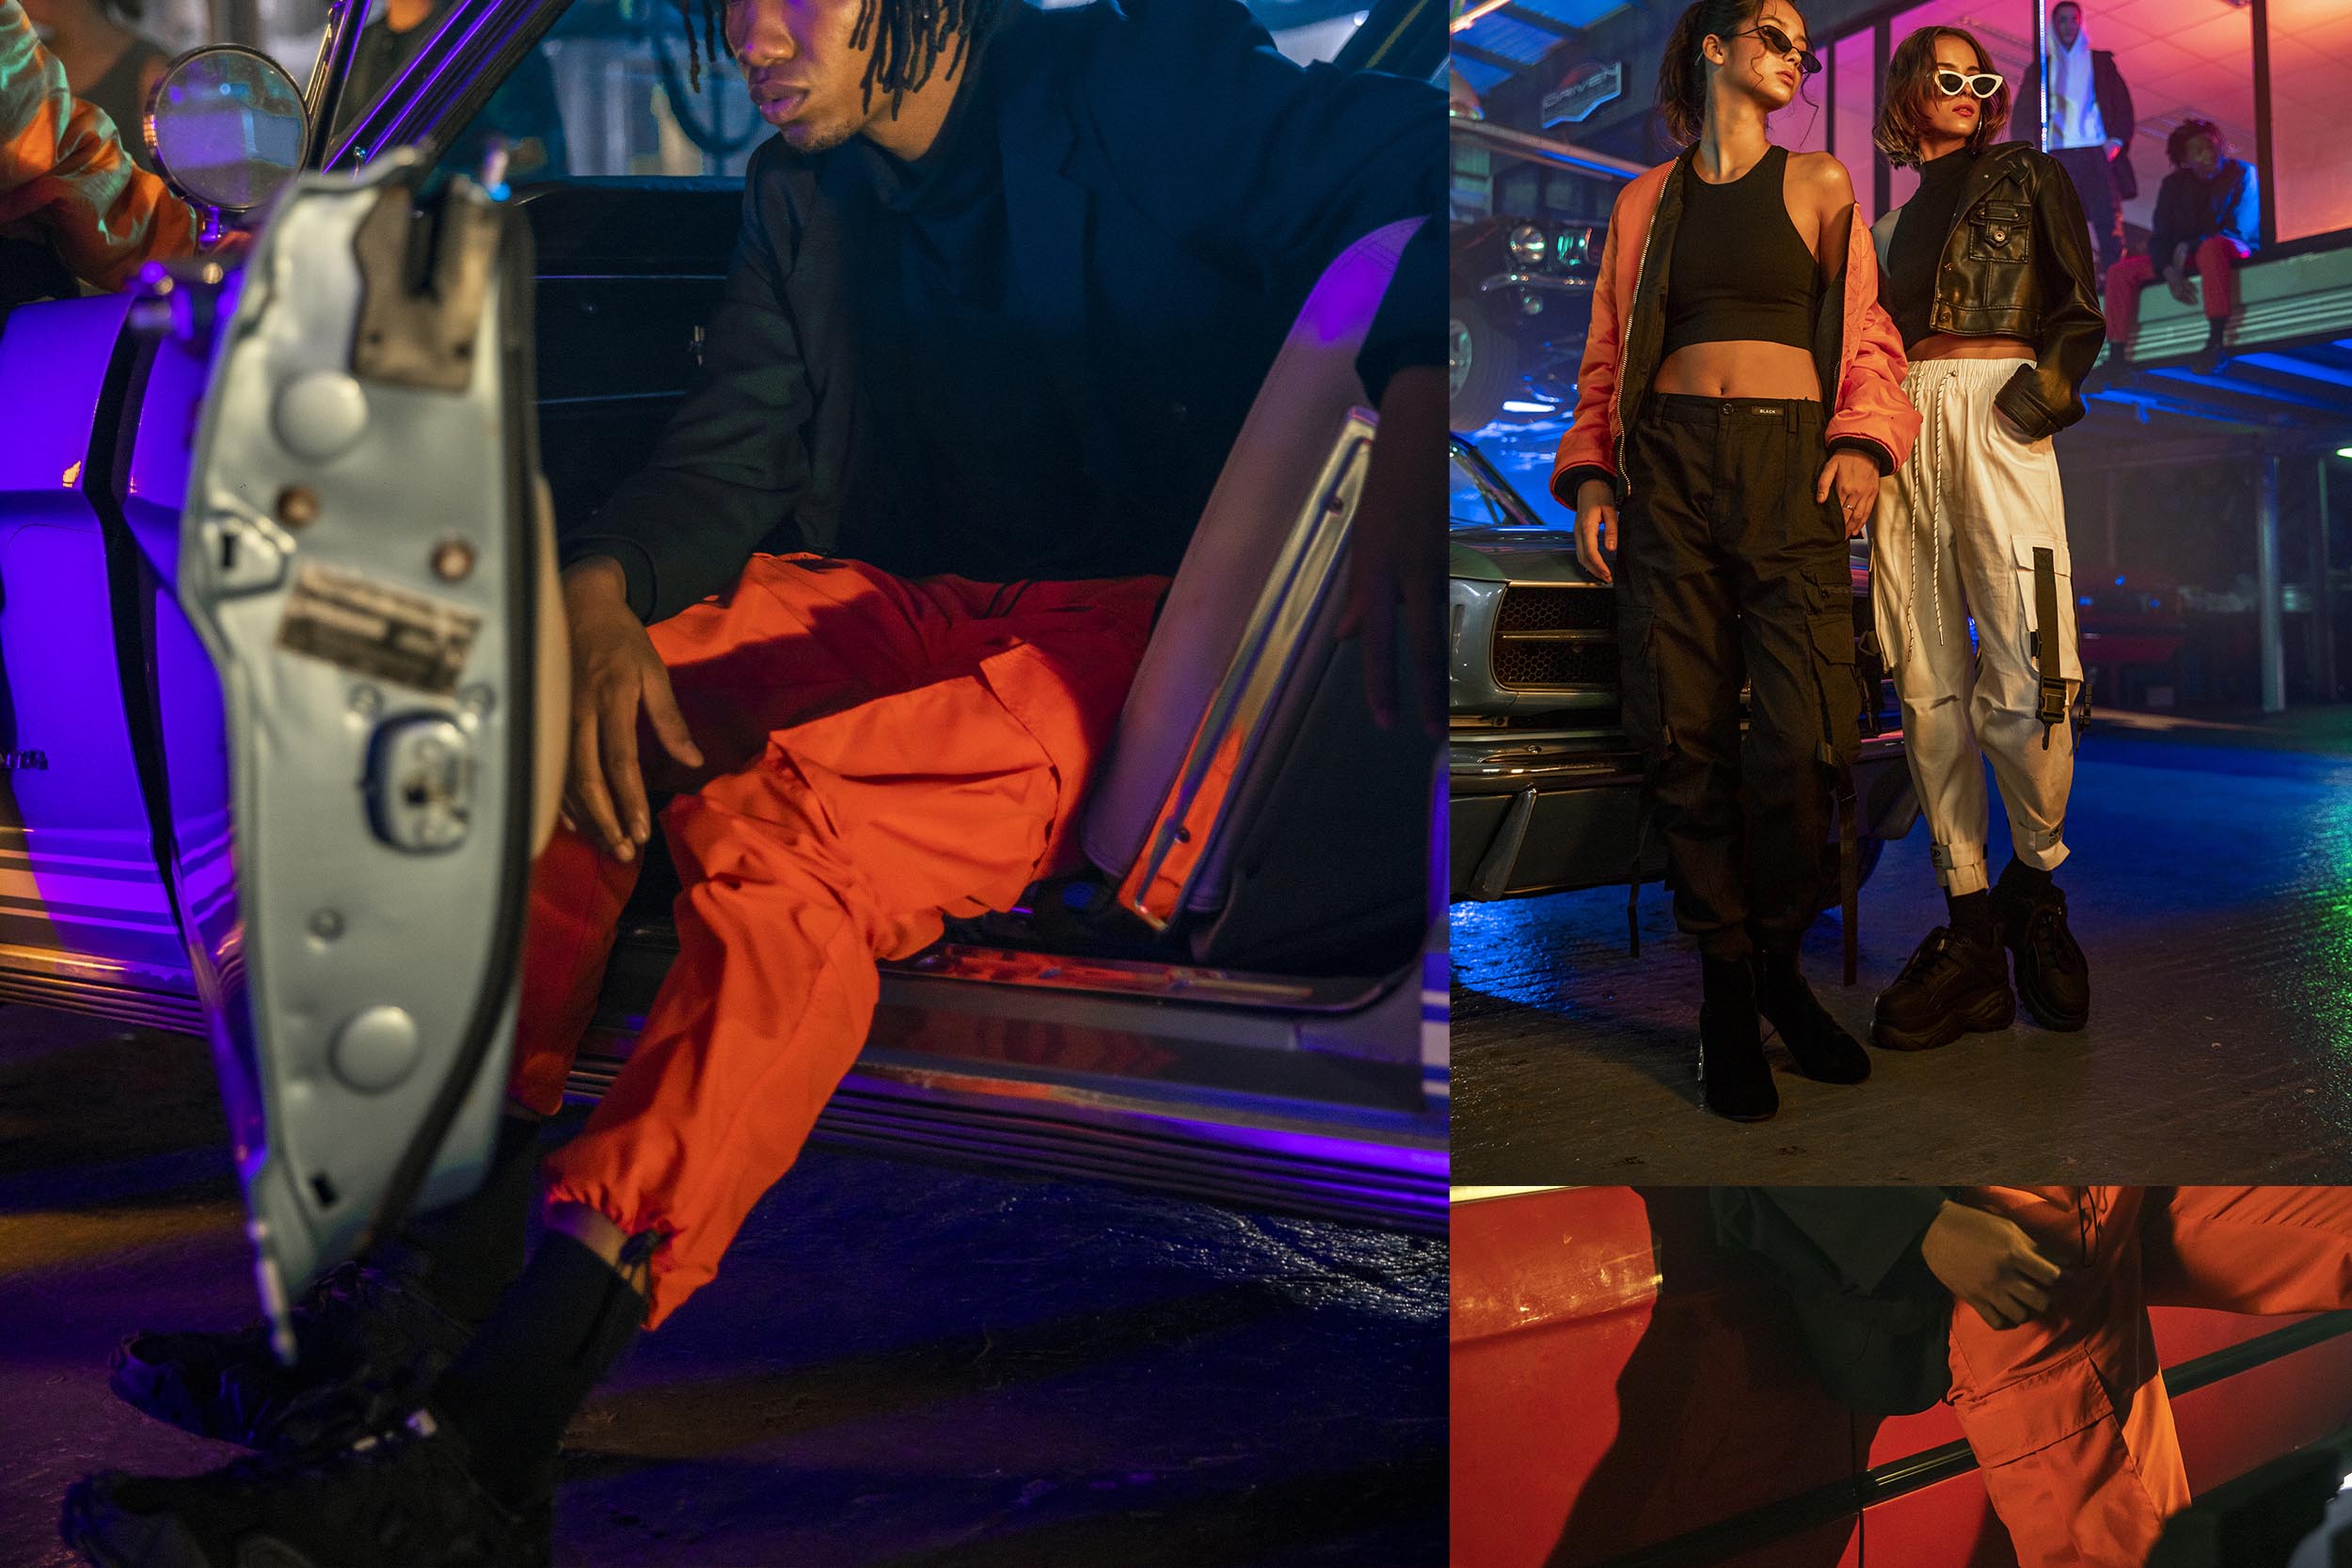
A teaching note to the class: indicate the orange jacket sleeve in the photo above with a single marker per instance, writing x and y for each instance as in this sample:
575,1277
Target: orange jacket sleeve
1872,411
1589,449
63,170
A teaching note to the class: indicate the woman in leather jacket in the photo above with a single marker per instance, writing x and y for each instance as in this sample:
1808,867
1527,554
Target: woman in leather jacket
1738,397
1988,277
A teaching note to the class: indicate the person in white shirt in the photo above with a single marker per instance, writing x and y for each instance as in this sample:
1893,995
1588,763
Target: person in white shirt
2090,127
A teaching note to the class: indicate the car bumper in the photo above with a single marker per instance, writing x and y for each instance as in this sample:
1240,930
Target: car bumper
1554,813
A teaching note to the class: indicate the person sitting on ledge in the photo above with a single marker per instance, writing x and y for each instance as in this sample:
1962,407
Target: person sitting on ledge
2208,218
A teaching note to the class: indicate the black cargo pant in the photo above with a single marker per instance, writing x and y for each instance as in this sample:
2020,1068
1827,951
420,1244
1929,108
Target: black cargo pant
1729,571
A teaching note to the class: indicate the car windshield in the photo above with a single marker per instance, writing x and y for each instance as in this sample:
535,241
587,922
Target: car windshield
1477,497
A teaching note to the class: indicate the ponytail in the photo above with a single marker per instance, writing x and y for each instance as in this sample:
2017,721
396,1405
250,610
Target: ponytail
1682,73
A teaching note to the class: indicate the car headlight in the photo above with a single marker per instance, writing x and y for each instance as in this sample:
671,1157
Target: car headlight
1574,246
1528,245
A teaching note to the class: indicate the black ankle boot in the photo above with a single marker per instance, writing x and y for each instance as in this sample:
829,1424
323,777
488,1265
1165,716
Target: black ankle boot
1823,1050
1734,1079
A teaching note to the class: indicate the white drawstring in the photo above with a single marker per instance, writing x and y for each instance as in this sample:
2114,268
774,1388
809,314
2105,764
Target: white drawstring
1928,453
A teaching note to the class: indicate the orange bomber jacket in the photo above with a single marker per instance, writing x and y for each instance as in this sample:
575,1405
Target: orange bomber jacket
64,175
1870,411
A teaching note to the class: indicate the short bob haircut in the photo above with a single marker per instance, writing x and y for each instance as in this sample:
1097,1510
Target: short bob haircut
1911,88
2176,144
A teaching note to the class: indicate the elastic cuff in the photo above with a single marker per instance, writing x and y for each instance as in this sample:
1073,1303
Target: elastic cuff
1565,485
1868,448
1959,867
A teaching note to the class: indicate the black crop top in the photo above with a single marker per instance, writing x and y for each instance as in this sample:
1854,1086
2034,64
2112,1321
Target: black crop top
1915,254
1740,268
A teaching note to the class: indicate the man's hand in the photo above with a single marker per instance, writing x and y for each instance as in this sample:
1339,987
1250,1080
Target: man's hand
1396,559
1597,526
1854,480
615,676
2115,149
1989,1265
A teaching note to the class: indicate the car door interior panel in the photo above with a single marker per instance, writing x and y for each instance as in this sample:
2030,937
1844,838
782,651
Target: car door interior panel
381,701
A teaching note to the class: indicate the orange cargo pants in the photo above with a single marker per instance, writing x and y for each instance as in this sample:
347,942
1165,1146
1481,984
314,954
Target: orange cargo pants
2068,1414
881,755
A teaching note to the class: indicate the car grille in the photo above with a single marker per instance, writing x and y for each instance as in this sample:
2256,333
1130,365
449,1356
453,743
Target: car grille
1524,661
1555,636
1556,608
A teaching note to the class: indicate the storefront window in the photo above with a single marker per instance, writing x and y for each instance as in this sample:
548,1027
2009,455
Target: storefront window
2179,60
2311,49
1854,69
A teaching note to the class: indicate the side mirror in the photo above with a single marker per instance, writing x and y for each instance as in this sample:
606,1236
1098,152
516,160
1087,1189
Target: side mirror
226,126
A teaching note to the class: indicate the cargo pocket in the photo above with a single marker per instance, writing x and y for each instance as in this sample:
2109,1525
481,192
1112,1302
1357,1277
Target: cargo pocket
2046,584
2025,1415
2000,232
2056,656
1641,705
1833,673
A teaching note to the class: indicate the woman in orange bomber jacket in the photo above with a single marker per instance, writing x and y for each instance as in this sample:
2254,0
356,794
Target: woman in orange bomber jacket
1740,397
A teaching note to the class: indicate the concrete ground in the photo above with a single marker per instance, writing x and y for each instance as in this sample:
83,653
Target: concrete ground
2211,888
900,1365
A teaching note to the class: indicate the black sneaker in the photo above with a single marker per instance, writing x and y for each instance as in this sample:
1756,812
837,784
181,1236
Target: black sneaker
2053,977
369,1344
1953,985
402,1498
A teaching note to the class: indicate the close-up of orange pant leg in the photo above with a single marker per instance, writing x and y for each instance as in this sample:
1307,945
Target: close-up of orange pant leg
2248,1249
851,839
798,635
2068,1414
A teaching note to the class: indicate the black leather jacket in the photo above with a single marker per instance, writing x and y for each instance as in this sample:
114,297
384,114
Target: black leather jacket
2017,264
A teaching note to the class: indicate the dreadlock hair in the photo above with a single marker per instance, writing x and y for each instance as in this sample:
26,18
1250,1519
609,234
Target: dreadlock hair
907,37
2176,144
1682,73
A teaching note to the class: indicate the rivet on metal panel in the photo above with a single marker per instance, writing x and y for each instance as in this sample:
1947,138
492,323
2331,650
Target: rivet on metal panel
366,701
326,925
476,700
297,507
453,560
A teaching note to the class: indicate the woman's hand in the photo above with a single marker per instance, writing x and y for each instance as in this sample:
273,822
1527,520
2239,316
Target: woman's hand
1597,526
1990,1265
1854,480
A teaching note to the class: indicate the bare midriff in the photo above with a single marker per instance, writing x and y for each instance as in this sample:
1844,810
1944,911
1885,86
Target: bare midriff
1739,368
1945,345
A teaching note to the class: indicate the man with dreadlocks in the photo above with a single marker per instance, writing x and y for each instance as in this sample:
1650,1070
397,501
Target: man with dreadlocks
1006,283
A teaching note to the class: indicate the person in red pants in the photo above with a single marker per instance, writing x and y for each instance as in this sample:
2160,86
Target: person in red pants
2208,219
2026,1309
871,610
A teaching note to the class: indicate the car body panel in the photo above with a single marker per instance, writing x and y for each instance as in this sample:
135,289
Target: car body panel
1625,1392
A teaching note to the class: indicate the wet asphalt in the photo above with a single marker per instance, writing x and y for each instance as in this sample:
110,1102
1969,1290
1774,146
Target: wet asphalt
2210,886
900,1366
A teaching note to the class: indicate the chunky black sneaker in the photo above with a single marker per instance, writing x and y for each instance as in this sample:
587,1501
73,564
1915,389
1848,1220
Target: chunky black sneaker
402,1498
369,1344
1823,1050
1953,985
1735,1080
2053,977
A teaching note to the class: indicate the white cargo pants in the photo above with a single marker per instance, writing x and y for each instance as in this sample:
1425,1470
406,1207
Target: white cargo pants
1955,539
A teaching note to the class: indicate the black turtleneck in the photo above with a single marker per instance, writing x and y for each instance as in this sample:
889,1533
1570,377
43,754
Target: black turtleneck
1908,287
